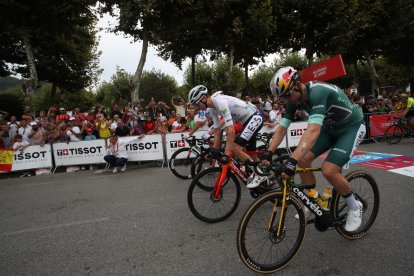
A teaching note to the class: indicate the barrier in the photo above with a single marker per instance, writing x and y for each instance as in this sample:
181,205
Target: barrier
79,153
151,147
33,157
174,142
146,149
266,129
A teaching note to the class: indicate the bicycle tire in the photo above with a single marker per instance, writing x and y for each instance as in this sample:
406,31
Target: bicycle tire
366,190
229,196
181,167
393,134
200,163
257,217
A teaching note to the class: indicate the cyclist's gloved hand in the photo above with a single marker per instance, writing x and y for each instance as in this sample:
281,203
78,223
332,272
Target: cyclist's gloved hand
289,167
266,156
206,136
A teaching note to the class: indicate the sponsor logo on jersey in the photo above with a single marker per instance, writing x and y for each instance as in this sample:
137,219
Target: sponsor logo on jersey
318,106
223,111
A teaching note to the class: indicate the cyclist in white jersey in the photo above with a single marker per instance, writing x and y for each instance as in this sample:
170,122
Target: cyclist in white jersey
230,108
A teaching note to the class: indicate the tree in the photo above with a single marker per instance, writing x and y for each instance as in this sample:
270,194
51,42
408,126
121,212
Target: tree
117,91
57,39
158,85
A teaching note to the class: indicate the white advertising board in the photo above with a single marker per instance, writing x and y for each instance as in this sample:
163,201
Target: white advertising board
174,142
148,148
79,153
33,157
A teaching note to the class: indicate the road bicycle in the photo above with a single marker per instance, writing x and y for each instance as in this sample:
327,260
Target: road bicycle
181,161
214,194
205,161
187,162
397,130
269,236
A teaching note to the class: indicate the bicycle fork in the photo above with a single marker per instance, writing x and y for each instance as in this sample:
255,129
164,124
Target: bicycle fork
220,180
282,213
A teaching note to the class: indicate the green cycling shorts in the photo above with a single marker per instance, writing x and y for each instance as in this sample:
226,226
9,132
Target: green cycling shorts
342,143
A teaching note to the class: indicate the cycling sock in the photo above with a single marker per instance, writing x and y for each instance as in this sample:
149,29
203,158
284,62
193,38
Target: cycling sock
351,202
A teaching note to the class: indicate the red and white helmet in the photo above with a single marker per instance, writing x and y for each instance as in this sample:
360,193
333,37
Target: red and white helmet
283,81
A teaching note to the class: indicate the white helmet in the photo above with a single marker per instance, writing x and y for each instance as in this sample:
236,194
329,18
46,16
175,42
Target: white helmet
283,81
196,93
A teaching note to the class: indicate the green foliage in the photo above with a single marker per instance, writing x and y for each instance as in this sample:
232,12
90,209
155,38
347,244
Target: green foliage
11,101
215,76
158,85
117,91
7,82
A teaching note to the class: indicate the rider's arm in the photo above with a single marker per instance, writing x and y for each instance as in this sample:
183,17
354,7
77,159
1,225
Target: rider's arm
231,135
277,138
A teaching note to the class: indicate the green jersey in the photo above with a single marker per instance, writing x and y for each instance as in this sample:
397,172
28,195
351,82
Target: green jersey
327,105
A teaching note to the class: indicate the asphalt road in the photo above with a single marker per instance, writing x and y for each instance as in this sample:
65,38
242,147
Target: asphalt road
138,223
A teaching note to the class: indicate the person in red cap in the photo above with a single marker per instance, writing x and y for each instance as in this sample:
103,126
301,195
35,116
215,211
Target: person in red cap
89,134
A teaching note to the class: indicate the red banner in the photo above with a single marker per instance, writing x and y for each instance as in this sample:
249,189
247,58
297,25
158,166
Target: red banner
379,123
326,70
6,159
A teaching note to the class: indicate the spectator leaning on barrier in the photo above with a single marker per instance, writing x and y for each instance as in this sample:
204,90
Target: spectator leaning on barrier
38,134
137,129
19,145
73,131
178,125
61,135
118,155
161,126
89,135
121,129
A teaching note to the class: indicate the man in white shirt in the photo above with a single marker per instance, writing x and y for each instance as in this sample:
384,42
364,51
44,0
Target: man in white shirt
14,127
24,131
114,124
275,116
73,132
118,155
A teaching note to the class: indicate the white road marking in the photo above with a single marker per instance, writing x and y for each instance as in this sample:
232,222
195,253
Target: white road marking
54,226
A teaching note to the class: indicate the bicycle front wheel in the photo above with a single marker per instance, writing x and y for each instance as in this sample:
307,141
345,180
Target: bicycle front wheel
258,244
393,134
366,191
180,162
202,200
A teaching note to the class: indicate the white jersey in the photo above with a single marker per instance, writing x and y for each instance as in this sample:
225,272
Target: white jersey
230,108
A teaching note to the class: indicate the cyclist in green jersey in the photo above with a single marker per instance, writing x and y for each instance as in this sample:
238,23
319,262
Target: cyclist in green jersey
409,110
334,123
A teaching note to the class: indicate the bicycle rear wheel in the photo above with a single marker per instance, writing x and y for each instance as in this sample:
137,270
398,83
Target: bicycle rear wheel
180,162
366,191
393,134
202,201
259,248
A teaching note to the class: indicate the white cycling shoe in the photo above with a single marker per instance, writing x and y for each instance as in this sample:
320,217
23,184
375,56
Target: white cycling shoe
354,219
257,179
308,214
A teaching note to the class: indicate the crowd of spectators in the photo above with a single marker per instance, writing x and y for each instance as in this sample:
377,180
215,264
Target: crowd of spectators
61,125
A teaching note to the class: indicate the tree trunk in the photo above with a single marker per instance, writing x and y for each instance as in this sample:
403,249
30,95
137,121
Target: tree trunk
136,80
372,71
33,82
231,59
309,56
193,64
53,99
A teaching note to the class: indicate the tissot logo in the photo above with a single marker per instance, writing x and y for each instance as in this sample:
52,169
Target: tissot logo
79,151
177,144
142,146
297,132
28,155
